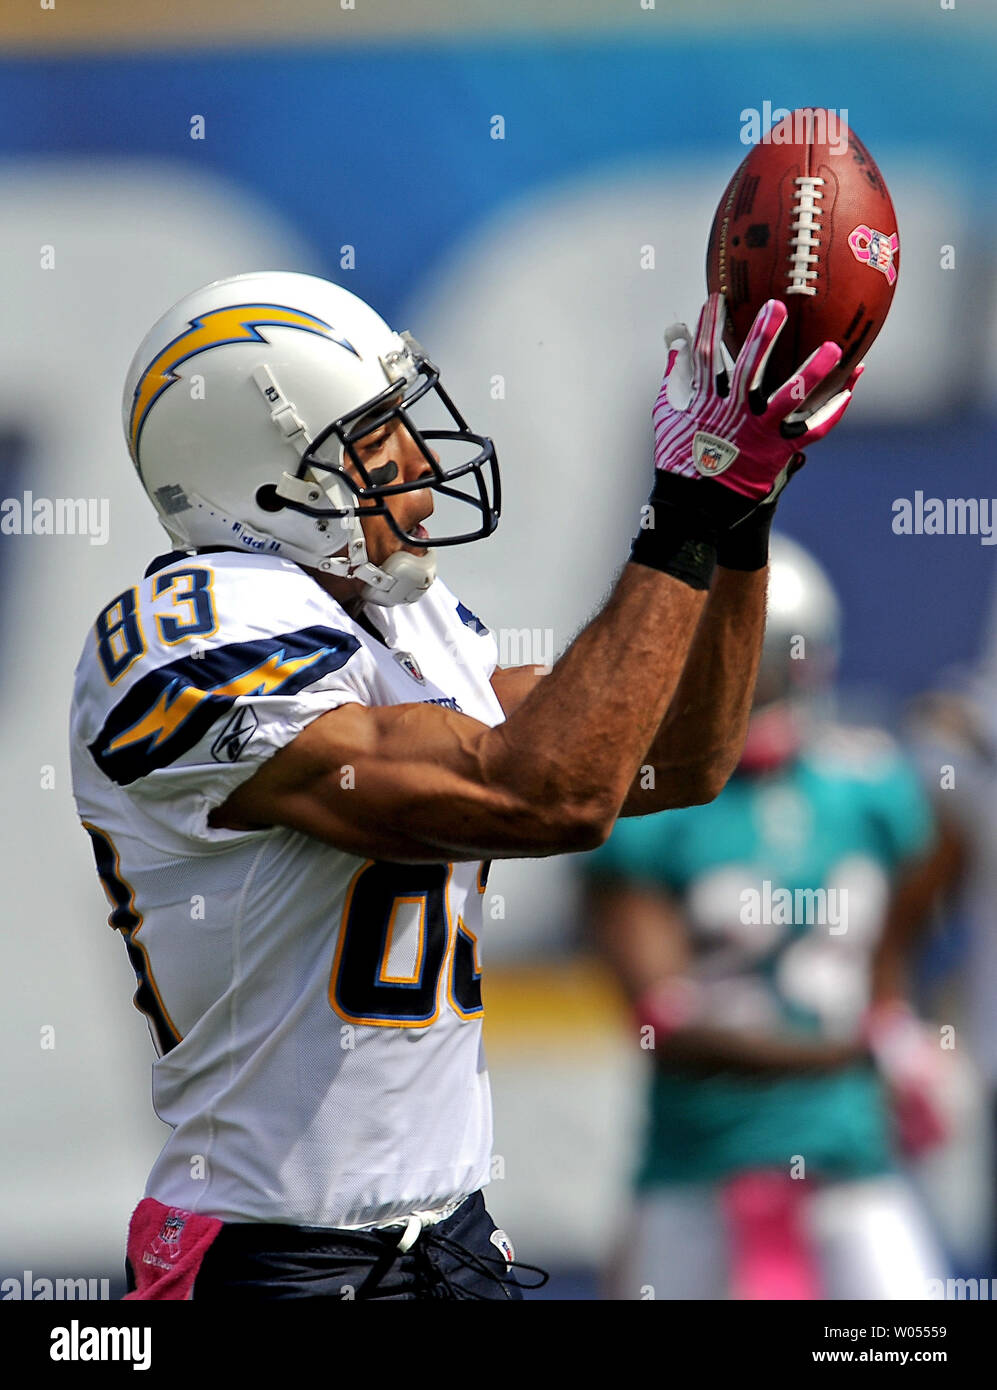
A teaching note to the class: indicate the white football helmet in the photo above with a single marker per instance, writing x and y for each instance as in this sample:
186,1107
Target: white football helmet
799,658
244,403
802,626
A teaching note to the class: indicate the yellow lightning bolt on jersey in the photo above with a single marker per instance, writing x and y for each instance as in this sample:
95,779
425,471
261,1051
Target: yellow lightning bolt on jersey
166,715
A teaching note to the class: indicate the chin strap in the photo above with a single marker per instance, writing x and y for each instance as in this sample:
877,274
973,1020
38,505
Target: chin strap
402,578
408,577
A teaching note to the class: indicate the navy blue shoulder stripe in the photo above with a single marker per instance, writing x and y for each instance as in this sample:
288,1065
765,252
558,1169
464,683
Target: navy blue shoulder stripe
168,711
469,620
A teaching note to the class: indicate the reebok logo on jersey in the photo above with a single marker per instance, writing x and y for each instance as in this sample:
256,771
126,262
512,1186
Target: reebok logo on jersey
230,743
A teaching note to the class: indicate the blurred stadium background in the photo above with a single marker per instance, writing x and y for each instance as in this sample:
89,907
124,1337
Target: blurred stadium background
358,143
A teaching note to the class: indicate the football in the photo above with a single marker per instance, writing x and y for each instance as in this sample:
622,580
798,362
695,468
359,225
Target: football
807,219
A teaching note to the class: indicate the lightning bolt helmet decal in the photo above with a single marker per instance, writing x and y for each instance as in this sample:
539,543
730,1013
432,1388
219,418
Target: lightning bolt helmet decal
236,324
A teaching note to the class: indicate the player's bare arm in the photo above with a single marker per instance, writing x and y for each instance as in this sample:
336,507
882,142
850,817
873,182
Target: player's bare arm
550,779
555,776
920,884
701,736
642,936
704,728
698,742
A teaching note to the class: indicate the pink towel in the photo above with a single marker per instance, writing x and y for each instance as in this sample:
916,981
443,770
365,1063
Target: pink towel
165,1248
771,1257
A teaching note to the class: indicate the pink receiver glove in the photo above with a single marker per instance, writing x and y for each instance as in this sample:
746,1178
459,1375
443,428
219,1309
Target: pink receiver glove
736,436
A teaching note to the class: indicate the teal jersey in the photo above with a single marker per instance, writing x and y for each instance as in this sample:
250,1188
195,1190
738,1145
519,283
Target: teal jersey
783,882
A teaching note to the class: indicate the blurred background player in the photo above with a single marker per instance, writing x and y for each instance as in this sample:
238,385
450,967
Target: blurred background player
768,1165
953,729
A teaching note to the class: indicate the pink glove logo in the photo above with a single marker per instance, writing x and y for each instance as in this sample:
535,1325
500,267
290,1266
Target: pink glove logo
712,455
875,249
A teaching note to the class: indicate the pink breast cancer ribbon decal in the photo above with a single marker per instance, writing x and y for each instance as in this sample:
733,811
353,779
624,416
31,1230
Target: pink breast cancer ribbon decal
876,249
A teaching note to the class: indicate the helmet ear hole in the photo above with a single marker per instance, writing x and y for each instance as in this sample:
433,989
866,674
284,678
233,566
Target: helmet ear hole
267,498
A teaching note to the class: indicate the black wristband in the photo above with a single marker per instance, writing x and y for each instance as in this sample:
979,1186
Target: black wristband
745,546
682,526
682,556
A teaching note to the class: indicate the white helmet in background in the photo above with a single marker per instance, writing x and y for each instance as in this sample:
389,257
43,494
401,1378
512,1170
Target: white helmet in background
799,655
243,406
802,626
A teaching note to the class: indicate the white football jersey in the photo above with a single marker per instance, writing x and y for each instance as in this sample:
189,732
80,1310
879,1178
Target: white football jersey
317,1016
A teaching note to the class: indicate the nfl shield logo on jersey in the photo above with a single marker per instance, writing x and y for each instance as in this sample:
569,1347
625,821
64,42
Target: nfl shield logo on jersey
408,663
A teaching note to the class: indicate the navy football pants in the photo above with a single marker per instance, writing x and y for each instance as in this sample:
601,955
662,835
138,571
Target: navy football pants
256,1262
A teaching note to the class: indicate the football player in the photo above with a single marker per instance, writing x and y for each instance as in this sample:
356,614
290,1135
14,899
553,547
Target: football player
295,756
782,1053
954,729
